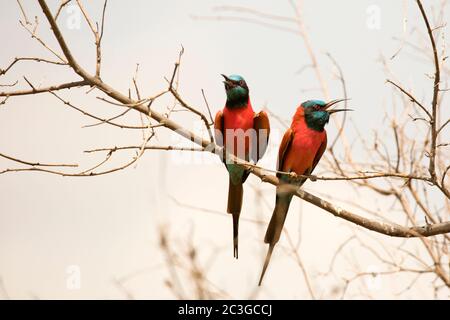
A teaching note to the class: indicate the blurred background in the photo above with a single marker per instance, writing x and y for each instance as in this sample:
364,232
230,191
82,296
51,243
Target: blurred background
159,229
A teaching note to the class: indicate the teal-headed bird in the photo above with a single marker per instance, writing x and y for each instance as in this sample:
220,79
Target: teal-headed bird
301,148
244,134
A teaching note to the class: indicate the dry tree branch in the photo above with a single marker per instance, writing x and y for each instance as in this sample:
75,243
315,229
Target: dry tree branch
344,90
308,46
98,34
260,20
256,13
4,71
301,265
9,84
434,103
61,6
443,126
45,89
246,20
36,164
4,101
312,177
413,99
183,103
38,39
88,172
166,148
193,110
175,285
108,121
23,12
209,110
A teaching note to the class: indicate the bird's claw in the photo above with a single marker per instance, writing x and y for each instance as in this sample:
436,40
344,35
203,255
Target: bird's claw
293,175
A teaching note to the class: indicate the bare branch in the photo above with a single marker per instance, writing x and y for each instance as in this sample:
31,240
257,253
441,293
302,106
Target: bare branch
23,12
247,20
122,126
44,89
443,126
61,6
36,164
413,99
207,106
434,103
3,71
10,84
166,148
38,39
98,34
344,90
260,14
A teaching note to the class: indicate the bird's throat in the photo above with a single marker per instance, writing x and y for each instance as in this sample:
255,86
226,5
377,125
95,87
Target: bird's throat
315,122
237,97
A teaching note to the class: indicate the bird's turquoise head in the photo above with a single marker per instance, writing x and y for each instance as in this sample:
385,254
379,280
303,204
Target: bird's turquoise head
237,91
317,113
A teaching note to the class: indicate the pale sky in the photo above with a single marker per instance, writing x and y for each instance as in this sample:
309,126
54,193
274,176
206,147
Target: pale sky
107,226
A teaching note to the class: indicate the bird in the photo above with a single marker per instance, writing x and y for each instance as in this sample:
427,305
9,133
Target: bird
244,134
301,148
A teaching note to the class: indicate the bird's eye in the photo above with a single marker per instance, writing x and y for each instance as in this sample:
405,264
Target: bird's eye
241,83
316,107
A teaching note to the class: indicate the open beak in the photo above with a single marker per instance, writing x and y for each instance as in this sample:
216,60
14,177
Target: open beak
333,102
227,80
338,110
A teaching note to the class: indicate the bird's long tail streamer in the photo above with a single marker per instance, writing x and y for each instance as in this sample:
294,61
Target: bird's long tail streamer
235,234
266,263
235,194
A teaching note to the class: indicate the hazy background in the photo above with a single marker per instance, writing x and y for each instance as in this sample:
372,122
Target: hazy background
108,225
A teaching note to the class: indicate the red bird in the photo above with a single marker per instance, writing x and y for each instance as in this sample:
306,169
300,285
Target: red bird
243,133
301,148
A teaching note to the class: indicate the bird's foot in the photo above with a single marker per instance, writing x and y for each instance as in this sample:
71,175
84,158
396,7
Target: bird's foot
293,175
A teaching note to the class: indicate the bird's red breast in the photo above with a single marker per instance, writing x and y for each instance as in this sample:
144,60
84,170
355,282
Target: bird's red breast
304,146
236,123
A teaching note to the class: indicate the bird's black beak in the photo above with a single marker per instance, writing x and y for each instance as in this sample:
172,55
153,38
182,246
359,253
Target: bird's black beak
228,82
333,102
338,110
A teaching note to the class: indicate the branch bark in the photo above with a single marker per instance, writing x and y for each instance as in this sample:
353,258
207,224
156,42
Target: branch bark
434,102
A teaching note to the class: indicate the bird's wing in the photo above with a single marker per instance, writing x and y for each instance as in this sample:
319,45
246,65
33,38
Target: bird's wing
261,125
284,147
319,153
219,131
218,128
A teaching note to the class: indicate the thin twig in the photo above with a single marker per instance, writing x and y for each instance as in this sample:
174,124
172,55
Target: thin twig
36,164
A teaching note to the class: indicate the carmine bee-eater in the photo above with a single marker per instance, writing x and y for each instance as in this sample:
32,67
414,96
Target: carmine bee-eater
301,148
244,134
